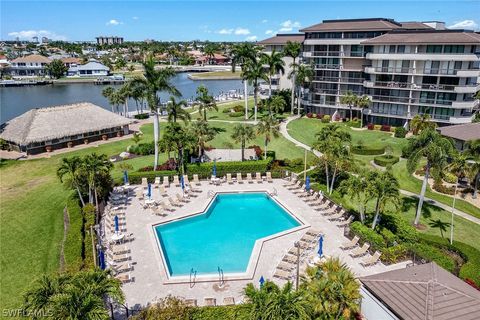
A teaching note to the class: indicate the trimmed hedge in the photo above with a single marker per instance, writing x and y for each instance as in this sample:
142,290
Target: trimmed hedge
400,227
400,132
366,234
218,312
385,160
143,149
236,114
367,151
432,253
141,116
73,245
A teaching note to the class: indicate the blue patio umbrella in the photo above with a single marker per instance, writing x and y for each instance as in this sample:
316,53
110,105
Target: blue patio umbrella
182,182
320,246
307,183
214,169
116,223
125,177
262,281
101,259
149,191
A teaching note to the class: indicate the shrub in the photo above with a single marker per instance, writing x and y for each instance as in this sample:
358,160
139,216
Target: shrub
370,126
314,115
309,115
385,128
432,253
226,110
326,118
449,177
440,187
366,150
366,234
394,254
388,235
319,116
392,129
399,226
204,170
400,132
238,108
236,114
385,160
377,127
143,149
141,116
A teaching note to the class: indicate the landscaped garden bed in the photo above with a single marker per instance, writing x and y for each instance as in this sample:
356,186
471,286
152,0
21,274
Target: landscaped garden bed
386,160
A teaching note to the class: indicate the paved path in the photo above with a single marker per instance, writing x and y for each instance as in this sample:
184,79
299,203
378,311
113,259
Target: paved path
284,132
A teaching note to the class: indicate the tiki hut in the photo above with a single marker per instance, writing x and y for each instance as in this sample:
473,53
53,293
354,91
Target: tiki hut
47,129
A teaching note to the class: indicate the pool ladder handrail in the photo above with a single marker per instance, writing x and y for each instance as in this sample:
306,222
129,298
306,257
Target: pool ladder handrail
193,277
221,276
211,193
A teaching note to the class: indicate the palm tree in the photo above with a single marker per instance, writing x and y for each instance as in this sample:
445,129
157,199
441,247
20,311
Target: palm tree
268,127
71,167
257,299
356,187
176,110
253,71
125,92
276,104
108,93
436,149
363,102
385,189
243,53
440,225
94,166
73,296
203,133
153,82
243,133
332,142
332,290
287,304
473,153
350,99
275,65
293,50
205,101
421,122
303,76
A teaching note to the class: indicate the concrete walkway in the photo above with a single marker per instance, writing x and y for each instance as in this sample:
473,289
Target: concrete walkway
284,132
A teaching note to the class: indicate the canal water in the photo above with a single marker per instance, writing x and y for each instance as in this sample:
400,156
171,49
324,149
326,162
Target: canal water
17,100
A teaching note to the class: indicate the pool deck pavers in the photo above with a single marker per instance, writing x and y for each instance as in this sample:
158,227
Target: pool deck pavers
149,272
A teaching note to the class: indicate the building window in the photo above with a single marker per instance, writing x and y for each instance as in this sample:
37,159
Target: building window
401,49
434,49
453,49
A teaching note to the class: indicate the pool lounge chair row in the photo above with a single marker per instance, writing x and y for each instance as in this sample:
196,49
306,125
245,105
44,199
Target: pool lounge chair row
249,178
210,302
165,181
361,251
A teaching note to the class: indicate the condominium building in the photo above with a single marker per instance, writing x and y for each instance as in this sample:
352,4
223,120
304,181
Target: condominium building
406,68
277,43
109,40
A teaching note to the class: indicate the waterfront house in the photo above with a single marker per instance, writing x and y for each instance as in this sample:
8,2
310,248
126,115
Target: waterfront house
47,129
71,61
92,68
421,292
461,133
33,65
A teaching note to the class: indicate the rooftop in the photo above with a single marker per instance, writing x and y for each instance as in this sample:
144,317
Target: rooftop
463,132
426,37
424,292
280,39
373,24
32,58
50,123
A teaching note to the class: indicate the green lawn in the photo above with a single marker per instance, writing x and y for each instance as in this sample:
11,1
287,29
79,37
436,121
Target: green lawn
216,75
304,130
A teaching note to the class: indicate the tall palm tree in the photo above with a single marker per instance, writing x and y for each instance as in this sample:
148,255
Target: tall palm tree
108,93
125,92
176,110
203,133
350,99
276,104
257,299
429,144
293,50
205,101
332,290
70,167
421,122
269,128
385,189
73,296
363,102
95,165
152,82
275,65
253,71
303,76
473,153
356,187
243,133
241,54
287,304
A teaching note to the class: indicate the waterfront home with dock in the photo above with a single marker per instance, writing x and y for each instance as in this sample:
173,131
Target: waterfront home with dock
33,65
92,68
47,129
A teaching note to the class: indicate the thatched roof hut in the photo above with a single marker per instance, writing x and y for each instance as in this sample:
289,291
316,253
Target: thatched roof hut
61,124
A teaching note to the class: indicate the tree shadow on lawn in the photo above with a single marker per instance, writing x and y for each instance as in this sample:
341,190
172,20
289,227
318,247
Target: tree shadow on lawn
428,209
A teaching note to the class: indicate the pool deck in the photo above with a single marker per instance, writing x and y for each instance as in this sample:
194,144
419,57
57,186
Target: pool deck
150,276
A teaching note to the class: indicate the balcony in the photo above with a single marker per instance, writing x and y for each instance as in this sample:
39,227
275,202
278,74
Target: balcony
465,104
368,84
461,119
468,73
370,69
328,66
424,56
467,88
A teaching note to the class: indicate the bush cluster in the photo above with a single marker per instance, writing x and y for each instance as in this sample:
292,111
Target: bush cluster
141,116
385,128
326,118
449,177
366,234
385,160
366,150
236,114
400,132
143,149
440,187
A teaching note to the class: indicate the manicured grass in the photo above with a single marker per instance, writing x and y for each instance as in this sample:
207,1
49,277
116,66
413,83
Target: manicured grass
216,75
304,130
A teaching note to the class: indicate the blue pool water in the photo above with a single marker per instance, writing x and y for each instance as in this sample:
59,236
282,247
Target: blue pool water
224,235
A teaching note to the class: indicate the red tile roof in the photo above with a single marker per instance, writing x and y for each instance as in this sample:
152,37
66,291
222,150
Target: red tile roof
424,37
374,24
280,39
32,58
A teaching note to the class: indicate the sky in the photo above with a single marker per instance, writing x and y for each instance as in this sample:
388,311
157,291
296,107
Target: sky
210,20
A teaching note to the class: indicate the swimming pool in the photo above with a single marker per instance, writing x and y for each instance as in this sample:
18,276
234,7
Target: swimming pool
223,236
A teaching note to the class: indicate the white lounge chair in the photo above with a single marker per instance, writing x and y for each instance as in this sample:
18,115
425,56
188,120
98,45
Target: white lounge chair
162,190
185,180
157,182
166,206
269,177
296,185
229,301
196,180
290,183
358,252
345,223
174,202
287,266
144,183
258,177
210,302
282,274
350,244
125,278
229,178
239,177
249,178
176,182
370,261
182,198
166,182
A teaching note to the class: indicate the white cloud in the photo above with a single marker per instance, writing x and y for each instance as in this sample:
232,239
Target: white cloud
465,24
289,25
225,31
242,31
264,21
269,32
135,18
251,38
113,22
29,34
